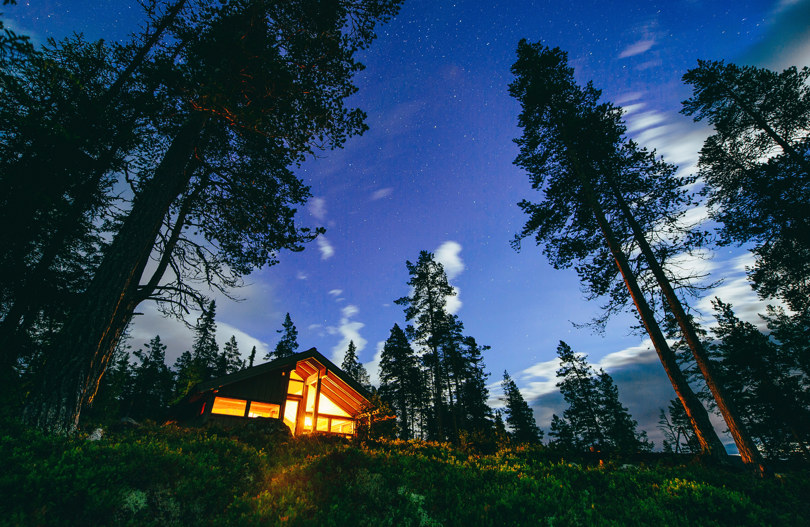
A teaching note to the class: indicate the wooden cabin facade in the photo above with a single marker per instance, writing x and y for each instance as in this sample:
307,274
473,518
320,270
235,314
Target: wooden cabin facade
305,390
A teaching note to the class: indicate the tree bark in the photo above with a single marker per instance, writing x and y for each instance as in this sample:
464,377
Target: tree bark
710,443
742,438
72,374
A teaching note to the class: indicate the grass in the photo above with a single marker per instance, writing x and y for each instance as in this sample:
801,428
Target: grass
167,475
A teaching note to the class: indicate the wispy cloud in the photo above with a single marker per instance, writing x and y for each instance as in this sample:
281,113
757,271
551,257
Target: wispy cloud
301,275
373,367
637,48
317,207
381,193
336,292
327,251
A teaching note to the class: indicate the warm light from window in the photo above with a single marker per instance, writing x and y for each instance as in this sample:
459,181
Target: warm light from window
290,411
342,426
295,387
263,410
226,406
327,406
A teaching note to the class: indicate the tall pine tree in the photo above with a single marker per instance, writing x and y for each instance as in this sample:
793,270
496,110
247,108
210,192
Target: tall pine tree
354,368
288,343
401,382
519,415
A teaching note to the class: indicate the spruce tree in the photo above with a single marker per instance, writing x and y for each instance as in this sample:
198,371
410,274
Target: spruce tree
519,415
426,308
354,368
401,382
153,381
288,343
230,360
252,357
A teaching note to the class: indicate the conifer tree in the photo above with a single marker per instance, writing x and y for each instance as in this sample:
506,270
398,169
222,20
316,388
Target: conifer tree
604,195
153,381
203,361
519,415
252,357
595,418
242,92
401,382
230,360
757,169
426,308
288,343
354,368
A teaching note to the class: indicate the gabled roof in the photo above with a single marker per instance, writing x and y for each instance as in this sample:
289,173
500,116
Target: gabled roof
336,380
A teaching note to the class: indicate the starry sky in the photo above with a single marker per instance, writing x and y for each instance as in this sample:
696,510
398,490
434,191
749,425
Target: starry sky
434,172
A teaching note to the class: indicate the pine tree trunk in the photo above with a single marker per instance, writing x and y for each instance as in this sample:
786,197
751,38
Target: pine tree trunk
72,373
746,447
710,443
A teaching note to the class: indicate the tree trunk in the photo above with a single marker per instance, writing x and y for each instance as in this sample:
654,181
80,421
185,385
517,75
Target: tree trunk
710,443
105,308
745,445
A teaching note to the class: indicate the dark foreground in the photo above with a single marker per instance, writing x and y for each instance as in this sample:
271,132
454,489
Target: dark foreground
168,475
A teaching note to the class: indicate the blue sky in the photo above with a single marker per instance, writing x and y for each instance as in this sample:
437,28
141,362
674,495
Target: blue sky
434,172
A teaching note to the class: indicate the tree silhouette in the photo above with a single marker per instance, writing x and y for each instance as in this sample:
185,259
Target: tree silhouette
353,367
757,169
519,416
289,340
574,150
254,88
401,382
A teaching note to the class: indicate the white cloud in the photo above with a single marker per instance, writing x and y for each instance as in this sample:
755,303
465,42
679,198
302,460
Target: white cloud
301,275
453,302
448,254
317,207
349,330
327,251
336,292
637,49
381,193
373,367
640,354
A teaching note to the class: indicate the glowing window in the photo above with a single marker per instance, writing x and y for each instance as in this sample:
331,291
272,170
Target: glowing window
290,411
342,426
263,410
226,406
294,376
327,406
295,387
323,424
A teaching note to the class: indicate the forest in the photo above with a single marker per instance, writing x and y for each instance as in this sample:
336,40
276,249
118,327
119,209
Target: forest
162,168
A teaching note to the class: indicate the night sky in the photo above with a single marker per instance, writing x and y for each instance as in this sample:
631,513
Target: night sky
434,172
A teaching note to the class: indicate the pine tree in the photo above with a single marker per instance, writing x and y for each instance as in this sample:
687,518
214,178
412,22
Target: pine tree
354,368
426,307
153,382
203,361
757,169
242,91
252,357
580,426
595,418
519,415
604,195
764,383
289,340
230,360
401,382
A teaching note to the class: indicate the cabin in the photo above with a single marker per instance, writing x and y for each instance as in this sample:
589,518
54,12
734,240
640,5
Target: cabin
305,390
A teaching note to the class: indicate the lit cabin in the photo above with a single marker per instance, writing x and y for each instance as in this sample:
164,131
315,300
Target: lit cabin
306,390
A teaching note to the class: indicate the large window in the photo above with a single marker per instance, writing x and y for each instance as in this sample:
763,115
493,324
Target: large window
258,409
226,406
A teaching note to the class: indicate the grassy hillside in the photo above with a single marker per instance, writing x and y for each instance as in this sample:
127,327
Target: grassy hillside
174,476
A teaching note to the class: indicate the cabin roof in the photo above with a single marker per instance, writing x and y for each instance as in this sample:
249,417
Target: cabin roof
335,381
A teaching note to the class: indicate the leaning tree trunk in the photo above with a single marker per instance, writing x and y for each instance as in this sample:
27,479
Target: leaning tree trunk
710,443
745,445
72,373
